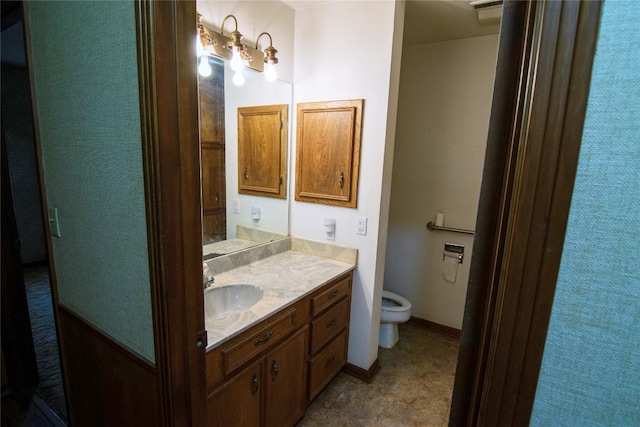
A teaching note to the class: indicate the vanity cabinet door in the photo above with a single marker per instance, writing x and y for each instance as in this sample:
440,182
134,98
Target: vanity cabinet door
238,401
285,381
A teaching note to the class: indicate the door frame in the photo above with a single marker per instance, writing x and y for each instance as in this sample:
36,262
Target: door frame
543,74
542,82
171,162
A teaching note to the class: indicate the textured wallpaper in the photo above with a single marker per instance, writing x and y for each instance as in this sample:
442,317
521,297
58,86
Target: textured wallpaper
86,86
591,367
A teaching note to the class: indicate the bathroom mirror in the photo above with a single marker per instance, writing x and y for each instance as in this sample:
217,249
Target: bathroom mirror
247,220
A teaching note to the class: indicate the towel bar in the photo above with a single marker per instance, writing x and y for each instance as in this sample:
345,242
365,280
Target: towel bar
432,227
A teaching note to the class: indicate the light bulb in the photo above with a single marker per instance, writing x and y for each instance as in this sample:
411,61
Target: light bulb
199,48
236,61
270,73
238,78
204,68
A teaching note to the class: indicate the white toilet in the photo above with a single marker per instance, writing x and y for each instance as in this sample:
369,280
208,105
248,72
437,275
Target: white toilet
395,309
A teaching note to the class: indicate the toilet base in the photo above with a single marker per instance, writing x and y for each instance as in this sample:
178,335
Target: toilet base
388,335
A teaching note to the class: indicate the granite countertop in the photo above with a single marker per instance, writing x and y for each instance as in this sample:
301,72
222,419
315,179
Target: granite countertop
285,277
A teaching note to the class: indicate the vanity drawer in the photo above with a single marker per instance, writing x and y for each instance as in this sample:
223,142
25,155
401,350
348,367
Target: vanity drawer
330,324
324,366
323,300
242,351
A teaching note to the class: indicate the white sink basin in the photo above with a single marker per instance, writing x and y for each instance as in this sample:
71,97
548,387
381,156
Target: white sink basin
228,299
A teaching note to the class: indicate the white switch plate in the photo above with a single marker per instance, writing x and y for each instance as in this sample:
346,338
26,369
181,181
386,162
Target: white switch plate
362,226
54,222
236,206
256,213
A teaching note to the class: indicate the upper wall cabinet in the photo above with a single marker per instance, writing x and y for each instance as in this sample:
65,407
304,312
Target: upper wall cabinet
328,152
262,150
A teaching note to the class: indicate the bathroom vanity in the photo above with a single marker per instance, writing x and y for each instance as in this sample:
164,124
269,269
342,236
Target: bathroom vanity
268,362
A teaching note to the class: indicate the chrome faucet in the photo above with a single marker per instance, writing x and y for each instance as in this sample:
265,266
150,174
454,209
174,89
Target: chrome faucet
207,279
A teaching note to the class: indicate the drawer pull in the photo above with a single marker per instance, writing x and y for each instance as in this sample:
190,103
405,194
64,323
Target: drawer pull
274,370
329,361
263,340
334,294
255,383
332,323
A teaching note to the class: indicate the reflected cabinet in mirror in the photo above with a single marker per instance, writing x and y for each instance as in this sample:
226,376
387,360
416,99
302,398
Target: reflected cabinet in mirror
243,126
262,150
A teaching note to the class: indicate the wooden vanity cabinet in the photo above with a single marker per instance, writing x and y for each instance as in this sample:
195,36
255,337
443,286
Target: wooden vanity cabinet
270,373
270,390
328,345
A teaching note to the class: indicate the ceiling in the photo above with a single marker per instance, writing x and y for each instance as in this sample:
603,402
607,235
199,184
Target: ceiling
428,21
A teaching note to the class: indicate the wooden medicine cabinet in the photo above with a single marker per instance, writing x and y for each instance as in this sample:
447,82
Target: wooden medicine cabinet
262,150
328,152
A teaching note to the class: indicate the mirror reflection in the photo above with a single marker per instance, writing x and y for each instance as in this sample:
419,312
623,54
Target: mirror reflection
233,221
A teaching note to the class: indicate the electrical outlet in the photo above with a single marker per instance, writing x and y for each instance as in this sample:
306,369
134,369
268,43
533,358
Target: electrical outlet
362,226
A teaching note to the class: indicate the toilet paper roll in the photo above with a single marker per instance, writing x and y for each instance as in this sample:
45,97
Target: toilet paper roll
450,268
439,219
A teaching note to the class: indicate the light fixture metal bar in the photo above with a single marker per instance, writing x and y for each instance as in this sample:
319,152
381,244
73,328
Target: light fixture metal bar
254,58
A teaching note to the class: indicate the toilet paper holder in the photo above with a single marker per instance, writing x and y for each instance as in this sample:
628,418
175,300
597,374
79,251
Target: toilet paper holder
453,250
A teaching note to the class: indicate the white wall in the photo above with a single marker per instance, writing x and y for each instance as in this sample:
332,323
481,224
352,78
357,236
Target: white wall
443,118
343,50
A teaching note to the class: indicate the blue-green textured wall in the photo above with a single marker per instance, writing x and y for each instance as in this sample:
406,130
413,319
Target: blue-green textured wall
85,77
590,372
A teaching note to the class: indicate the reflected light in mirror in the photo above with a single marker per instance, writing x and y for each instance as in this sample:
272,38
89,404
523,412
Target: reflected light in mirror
238,78
204,68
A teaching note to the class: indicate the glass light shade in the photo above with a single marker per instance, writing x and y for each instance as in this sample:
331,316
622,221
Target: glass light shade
236,61
204,68
270,73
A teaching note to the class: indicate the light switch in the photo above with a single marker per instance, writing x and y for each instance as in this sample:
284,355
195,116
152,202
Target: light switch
362,226
54,222
236,206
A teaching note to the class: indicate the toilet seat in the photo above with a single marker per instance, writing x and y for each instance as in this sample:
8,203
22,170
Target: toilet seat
403,304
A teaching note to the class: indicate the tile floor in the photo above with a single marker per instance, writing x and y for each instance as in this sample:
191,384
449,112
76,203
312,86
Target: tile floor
413,388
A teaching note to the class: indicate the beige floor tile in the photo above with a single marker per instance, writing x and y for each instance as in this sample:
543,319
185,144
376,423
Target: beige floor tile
413,388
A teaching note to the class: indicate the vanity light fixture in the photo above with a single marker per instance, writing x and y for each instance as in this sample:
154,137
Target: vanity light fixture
235,44
231,48
269,59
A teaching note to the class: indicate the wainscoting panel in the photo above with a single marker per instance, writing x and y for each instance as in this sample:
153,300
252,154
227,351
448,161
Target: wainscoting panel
107,385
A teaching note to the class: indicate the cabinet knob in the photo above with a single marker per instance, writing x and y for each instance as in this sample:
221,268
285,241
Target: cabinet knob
341,179
246,175
274,370
329,361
